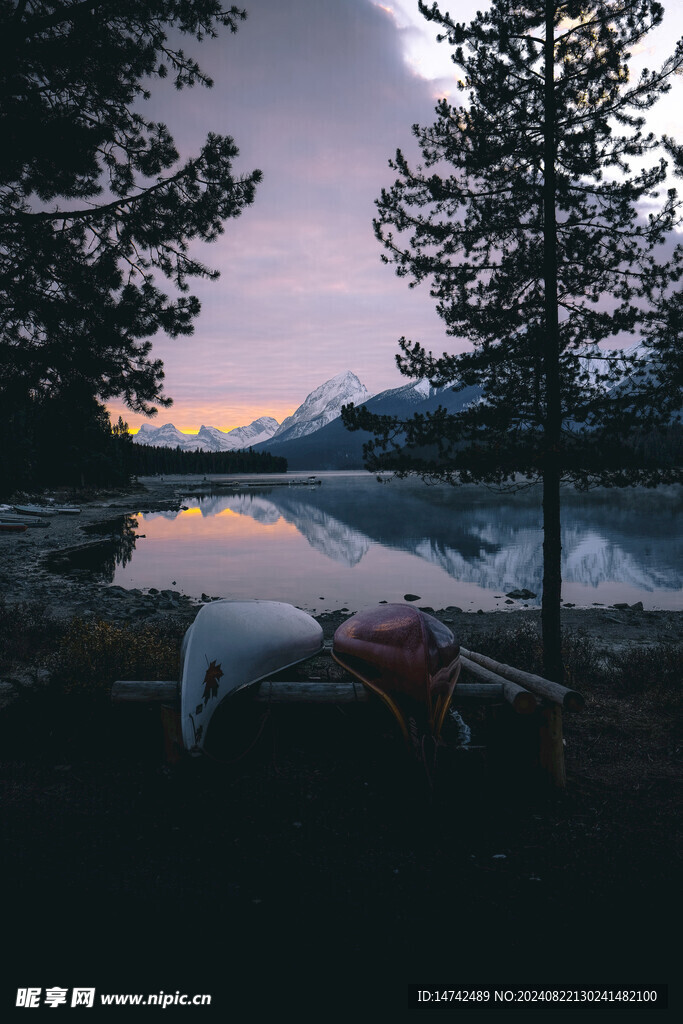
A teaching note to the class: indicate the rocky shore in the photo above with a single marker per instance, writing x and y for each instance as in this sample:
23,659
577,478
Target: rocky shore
32,570
32,563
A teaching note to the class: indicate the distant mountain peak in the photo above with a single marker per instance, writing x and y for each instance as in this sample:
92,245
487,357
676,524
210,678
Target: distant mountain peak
322,405
343,377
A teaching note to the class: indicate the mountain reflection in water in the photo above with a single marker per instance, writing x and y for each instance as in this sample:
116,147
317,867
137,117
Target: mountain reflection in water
364,541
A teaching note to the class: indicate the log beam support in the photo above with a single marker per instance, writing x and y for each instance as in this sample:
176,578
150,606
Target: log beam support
551,746
521,701
495,683
572,700
137,691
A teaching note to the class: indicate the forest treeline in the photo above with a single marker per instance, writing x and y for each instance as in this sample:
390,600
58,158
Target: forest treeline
148,461
68,440
64,440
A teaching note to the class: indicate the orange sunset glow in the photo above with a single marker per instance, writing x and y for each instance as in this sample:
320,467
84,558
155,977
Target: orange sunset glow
190,417
193,526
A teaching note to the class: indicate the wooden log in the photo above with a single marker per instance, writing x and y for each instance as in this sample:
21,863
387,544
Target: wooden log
478,693
551,746
523,702
145,691
572,700
347,692
294,691
172,732
310,693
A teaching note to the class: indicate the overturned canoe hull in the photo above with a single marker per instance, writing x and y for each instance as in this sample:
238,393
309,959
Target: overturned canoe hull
33,510
409,659
11,518
232,644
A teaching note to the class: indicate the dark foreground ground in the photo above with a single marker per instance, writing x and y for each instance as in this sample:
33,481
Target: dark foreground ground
315,878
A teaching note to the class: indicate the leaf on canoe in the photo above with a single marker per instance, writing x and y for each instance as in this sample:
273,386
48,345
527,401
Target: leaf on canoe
213,674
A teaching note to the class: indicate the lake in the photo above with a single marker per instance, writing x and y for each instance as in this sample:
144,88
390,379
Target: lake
352,541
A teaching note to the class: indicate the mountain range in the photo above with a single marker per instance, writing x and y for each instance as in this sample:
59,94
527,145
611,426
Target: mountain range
209,439
332,446
313,437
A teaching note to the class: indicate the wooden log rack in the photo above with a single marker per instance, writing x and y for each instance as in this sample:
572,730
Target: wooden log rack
494,684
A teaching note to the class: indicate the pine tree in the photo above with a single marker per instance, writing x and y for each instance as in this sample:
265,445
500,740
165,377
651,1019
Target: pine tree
524,217
95,206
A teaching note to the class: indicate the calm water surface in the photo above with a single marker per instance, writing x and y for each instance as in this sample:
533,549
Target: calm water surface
353,541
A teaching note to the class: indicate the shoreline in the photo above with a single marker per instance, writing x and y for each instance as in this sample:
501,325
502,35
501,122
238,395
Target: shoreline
25,576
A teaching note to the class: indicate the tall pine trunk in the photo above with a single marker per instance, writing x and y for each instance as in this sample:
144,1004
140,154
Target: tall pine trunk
552,542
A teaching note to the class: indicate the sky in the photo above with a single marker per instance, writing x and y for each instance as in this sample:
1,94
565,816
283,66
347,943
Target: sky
318,94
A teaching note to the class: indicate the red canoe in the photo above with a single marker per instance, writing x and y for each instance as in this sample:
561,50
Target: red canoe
13,527
407,657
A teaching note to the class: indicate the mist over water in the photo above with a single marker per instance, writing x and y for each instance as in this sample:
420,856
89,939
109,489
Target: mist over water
353,541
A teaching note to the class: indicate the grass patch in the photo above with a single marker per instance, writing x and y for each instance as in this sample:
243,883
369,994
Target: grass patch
655,668
91,655
63,671
519,645
649,670
27,634
85,656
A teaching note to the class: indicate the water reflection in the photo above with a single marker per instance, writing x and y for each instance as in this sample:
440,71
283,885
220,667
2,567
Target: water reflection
475,536
324,532
353,541
98,560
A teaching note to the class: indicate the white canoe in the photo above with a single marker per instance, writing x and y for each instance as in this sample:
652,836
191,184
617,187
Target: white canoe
46,510
35,510
232,644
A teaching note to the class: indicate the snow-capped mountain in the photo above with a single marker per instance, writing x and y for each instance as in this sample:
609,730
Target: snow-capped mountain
314,437
167,436
416,393
216,440
332,446
612,362
259,430
209,439
322,406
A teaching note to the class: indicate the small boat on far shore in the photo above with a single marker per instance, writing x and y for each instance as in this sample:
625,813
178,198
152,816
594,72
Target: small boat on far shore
12,527
13,518
46,510
34,510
